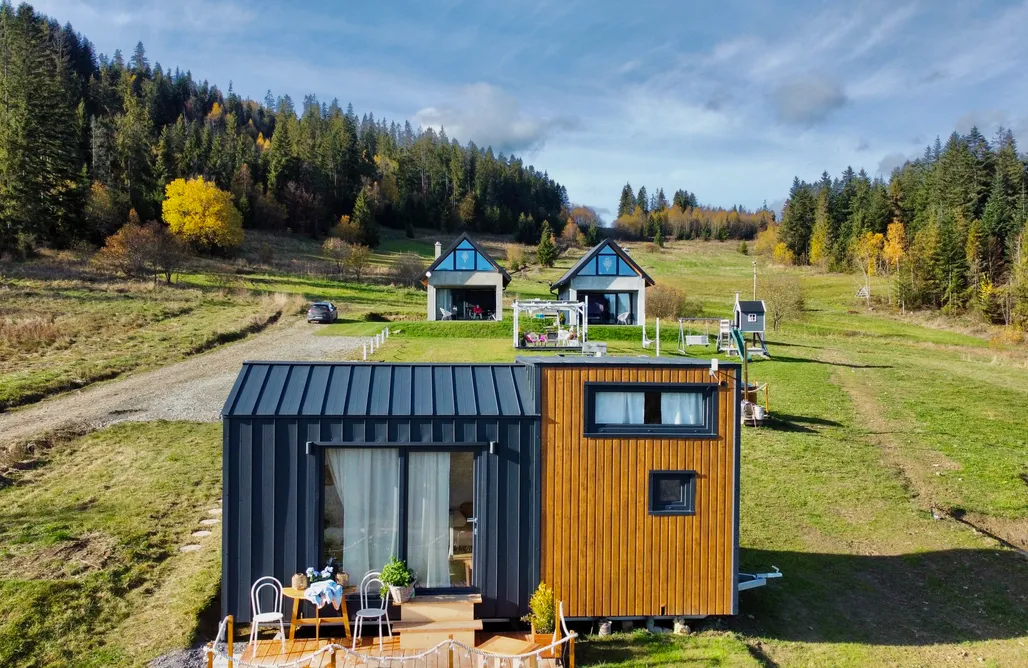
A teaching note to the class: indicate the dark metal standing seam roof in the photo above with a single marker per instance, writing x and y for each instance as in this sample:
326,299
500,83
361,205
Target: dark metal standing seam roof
575,268
751,306
327,389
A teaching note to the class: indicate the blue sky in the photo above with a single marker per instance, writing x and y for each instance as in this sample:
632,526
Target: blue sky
729,100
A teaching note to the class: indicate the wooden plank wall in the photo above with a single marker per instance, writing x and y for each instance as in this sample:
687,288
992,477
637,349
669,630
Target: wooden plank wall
602,551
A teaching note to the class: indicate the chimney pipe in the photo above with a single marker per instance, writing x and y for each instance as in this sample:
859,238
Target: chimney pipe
438,249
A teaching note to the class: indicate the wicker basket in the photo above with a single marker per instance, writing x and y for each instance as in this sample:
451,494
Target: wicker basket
300,581
401,594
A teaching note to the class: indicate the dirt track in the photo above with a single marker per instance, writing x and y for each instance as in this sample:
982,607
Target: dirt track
194,389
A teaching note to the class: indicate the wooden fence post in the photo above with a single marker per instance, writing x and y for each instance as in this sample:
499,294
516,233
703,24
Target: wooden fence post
231,639
571,653
450,657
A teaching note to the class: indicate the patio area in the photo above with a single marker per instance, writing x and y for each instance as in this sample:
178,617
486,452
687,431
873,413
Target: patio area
506,650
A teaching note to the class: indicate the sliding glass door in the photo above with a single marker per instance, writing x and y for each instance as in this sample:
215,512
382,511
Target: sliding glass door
420,506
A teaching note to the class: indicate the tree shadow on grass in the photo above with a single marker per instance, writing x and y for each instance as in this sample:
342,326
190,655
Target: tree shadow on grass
805,360
926,598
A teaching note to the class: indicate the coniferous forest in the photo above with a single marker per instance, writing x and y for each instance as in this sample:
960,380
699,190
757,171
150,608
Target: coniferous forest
86,138
951,227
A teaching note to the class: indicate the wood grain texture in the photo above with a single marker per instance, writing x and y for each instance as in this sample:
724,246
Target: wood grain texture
602,551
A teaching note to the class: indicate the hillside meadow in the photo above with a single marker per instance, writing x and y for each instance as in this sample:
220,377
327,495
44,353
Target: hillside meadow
882,423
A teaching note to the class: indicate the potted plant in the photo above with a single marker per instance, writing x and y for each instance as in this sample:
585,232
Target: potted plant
542,616
399,579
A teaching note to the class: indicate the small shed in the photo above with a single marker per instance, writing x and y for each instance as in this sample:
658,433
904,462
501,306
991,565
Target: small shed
613,479
465,283
612,283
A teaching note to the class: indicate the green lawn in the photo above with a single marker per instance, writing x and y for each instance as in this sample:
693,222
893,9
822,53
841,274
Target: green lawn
90,572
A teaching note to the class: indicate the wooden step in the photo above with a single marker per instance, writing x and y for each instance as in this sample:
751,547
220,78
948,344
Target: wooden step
433,627
448,607
422,635
442,598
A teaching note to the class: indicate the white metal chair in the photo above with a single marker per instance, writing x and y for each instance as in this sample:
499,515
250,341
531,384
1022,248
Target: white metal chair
262,616
371,585
623,317
444,314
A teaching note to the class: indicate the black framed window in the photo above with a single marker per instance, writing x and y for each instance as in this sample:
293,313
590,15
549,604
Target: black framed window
672,493
651,409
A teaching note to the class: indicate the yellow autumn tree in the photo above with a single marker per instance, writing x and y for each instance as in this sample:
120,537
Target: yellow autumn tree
867,254
202,215
895,245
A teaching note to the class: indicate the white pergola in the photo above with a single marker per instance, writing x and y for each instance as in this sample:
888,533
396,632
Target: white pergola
576,318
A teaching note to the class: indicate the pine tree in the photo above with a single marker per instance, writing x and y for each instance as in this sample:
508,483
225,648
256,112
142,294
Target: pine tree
641,200
820,239
546,251
364,218
798,219
627,204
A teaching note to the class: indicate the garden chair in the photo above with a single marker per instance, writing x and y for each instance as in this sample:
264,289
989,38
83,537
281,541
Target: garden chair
446,315
532,338
262,616
372,585
623,317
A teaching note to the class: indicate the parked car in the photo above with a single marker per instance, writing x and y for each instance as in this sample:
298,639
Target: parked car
322,312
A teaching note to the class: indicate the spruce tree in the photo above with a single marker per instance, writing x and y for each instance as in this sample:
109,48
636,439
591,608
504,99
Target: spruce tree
642,201
627,204
364,218
546,251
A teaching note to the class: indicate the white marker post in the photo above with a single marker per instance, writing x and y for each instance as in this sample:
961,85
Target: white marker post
365,352
658,337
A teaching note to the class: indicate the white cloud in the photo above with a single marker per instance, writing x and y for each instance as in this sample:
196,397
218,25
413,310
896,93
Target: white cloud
489,116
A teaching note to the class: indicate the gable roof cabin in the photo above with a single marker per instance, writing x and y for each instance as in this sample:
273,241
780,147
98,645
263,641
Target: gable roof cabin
449,467
465,283
614,284
749,315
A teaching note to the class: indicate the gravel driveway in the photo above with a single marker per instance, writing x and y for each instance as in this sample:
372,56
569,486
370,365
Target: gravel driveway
194,389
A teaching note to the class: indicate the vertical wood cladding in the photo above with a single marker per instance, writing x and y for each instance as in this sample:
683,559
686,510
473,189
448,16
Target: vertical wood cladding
603,553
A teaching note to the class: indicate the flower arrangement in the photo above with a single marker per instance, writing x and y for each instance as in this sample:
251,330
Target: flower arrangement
331,571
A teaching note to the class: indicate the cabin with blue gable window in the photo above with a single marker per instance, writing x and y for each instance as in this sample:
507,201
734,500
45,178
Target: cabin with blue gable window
611,282
465,283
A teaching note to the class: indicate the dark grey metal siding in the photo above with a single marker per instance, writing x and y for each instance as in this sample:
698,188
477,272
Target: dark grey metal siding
272,494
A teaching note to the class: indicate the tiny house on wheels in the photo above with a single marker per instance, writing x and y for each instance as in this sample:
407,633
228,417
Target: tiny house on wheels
465,283
614,480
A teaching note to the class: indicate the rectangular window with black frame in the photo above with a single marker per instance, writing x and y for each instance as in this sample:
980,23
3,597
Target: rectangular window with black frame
651,409
672,493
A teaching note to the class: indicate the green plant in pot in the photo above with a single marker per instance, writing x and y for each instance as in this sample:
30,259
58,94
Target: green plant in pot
399,579
542,615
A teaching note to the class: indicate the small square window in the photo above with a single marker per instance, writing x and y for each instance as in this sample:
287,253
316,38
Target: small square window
672,492
752,317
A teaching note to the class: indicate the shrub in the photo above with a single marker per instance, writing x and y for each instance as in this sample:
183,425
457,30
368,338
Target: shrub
347,230
142,250
664,301
408,270
515,257
766,241
337,249
744,248
783,254
541,614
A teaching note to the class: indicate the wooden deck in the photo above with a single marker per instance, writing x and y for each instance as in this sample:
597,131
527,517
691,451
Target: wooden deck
269,653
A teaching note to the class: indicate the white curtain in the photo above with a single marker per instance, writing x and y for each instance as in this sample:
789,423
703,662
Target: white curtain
444,299
428,523
619,407
367,482
681,408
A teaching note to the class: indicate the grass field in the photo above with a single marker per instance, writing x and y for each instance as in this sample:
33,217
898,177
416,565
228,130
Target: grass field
882,423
